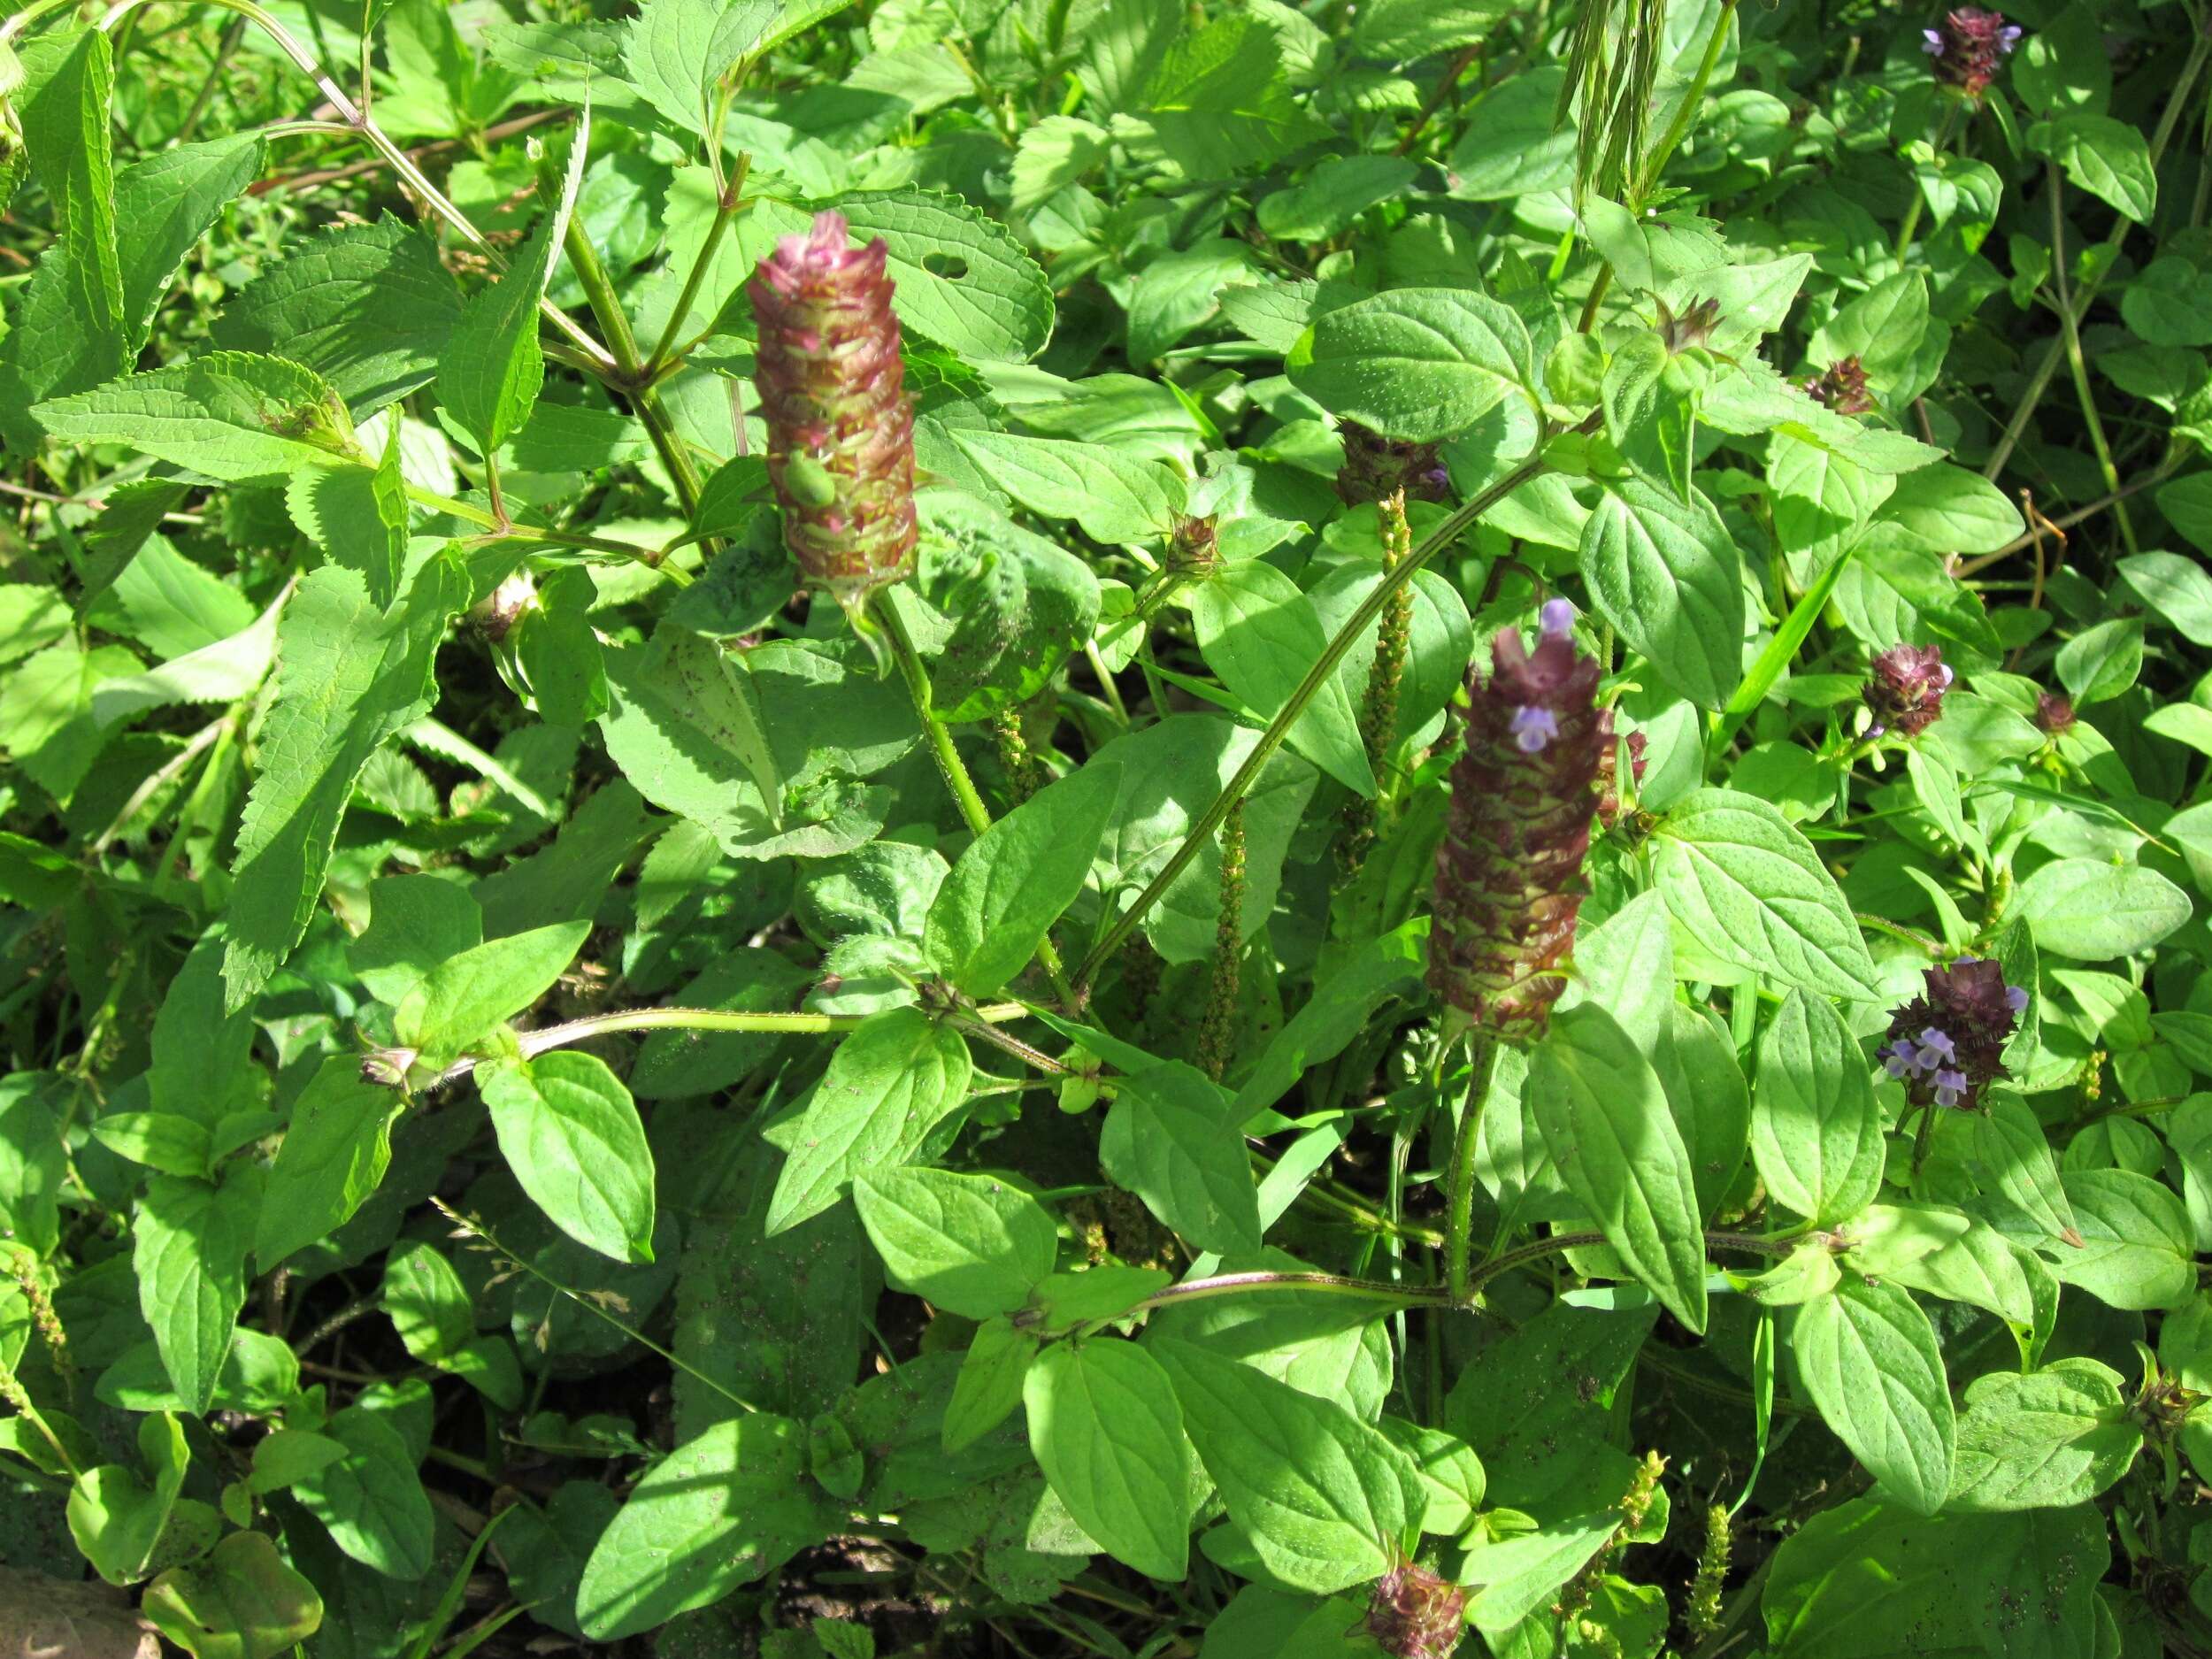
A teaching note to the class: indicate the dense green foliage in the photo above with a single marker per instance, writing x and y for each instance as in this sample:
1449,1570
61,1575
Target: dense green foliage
570,1078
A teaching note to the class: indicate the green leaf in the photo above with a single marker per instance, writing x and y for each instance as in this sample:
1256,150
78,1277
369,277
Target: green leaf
1261,634
1326,1501
492,366
2100,662
2106,157
1220,103
1604,1117
1172,1138
2090,910
675,50
70,331
233,415
1053,154
2179,589
242,1600
357,515
426,1302
1666,574
168,201
1870,1578
115,1518
972,1245
570,1132
190,1241
371,1499
1513,143
989,1385
889,1087
1419,364
2137,1251
1015,880
1650,405
963,279
368,307
1815,1130
1329,198
1867,1356
1749,888
1112,496
467,996
1518,1575
722,1510
1537,1439
349,676
1105,1427
333,1156
2010,1144
1020,607
2043,1441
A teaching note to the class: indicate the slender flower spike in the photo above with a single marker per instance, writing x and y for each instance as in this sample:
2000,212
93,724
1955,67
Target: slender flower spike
1906,690
1376,468
1842,388
1508,874
1946,1044
1969,48
840,431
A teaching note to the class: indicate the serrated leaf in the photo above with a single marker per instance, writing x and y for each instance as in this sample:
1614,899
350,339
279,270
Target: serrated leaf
1666,574
1418,364
231,415
190,1241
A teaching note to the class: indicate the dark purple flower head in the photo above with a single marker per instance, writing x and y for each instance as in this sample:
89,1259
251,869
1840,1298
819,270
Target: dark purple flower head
1376,468
1905,690
2053,713
1194,549
840,431
1948,1044
1969,47
1414,1613
1842,387
1508,872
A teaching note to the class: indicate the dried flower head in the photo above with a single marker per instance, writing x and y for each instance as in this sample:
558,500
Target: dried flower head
1694,327
840,431
1376,467
1414,1614
1906,690
2053,713
1948,1044
1508,872
1842,388
1969,47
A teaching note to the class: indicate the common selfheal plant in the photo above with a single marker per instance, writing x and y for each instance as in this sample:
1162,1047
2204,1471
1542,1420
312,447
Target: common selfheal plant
1969,47
1948,1044
1905,690
1508,872
840,429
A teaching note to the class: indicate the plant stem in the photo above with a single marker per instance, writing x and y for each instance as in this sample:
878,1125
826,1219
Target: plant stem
509,531
2039,381
1322,1284
1278,728
536,1042
1919,196
628,377
1459,1192
950,765
1679,129
725,208
2070,332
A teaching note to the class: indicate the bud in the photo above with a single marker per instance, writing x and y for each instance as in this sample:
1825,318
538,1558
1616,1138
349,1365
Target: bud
1194,548
1842,387
388,1068
1946,1046
1608,776
1691,329
1969,48
1376,467
2053,713
1414,1613
1508,873
840,431
1905,692
497,612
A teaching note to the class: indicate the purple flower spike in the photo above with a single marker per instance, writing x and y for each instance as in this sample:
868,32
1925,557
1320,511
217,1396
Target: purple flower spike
1557,618
840,429
1953,1037
1968,47
1533,728
1905,689
1508,872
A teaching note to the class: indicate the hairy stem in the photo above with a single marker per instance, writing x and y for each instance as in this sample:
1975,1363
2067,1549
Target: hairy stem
1459,1192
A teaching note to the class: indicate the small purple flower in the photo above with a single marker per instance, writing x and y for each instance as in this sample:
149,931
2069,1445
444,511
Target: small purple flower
2008,37
1931,43
1950,1086
1557,618
1900,1058
1938,1044
1944,674
2016,999
1533,728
